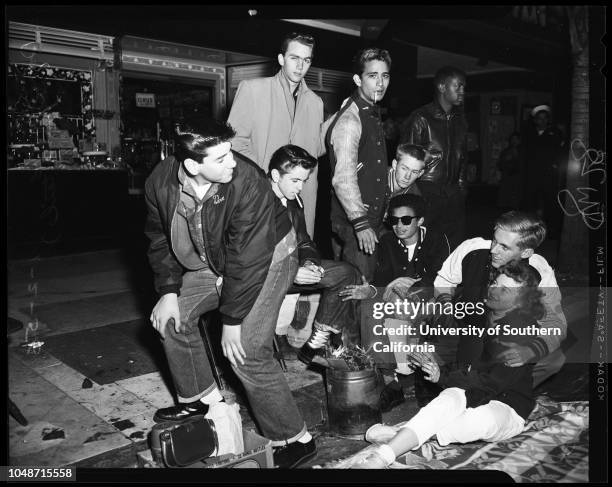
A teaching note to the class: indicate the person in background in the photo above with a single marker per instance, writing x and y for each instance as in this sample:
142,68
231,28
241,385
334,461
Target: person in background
441,128
268,113
220,238
545,157
511,167
406,168
358,159
289,169
493,400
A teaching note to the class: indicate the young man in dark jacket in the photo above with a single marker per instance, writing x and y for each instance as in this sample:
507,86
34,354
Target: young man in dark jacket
408,260
440,127
493,399
218,240
290,167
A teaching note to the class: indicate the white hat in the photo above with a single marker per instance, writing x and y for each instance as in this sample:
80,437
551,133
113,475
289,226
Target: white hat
540,108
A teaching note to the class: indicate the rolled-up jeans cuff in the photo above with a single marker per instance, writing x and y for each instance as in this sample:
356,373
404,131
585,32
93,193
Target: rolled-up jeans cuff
288,441
207,391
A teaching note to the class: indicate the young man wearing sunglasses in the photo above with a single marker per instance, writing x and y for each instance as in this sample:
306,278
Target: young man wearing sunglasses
409,257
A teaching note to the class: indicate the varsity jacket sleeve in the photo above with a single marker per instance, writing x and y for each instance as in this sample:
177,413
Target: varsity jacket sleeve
344,139
451,275
241,120
249,250
167,271
554,317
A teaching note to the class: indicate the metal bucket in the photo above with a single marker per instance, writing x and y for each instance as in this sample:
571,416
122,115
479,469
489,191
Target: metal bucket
353,400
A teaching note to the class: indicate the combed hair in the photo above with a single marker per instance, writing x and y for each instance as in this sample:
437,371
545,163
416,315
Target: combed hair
530,228
414,201
412,150
305,39
370,54
192,139
530,295
446,72
287,157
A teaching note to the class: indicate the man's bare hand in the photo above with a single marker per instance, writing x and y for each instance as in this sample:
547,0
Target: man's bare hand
230,343
308,275
367,240
515,355
166,308
357,291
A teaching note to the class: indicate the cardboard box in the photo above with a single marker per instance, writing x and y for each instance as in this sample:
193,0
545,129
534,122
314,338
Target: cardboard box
257,454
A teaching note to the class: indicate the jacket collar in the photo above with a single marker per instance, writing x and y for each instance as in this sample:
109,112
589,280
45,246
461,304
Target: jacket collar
437,111
301,88
363,105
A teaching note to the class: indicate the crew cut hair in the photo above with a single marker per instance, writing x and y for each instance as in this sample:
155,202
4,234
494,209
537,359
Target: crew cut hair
305,39
370,54
412,150
193,138
288,156
530,228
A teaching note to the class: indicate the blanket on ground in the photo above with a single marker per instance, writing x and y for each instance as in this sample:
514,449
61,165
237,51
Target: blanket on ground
552,448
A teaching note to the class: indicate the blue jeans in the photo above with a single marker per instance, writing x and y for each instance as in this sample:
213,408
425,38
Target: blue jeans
273,405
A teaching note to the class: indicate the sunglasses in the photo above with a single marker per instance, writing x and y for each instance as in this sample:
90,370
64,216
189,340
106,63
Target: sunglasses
406,219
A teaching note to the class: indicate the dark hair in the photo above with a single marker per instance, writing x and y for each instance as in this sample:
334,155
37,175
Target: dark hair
531,228
305,39
192,139
446,72
414,201
370,54
287,157
412,150
530,296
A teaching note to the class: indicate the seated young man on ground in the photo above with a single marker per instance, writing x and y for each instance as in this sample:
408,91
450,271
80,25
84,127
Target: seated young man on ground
476,262
408,260
290,166
492,400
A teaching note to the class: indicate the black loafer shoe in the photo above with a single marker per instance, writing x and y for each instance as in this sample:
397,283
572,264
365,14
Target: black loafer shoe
294,454
392,395
180,412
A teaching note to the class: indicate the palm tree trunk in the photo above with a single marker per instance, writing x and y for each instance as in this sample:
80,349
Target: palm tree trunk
573,251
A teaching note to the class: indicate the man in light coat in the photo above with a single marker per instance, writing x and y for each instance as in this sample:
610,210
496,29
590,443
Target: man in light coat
269,113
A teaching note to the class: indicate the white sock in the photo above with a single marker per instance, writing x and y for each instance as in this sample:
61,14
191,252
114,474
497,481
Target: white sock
212,397
387,453
306,438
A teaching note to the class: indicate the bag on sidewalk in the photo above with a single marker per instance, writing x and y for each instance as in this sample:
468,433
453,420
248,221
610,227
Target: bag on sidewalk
185,443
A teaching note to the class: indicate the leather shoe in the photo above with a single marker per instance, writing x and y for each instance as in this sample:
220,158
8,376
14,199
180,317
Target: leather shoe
392,395
180,412
294,454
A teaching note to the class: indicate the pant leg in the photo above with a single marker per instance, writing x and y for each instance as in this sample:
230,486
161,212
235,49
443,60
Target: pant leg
549,365
494,421
365,263
185,351
332,310
273,405
438,414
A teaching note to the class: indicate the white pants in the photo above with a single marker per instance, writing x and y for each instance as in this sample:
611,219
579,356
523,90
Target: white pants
447,417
